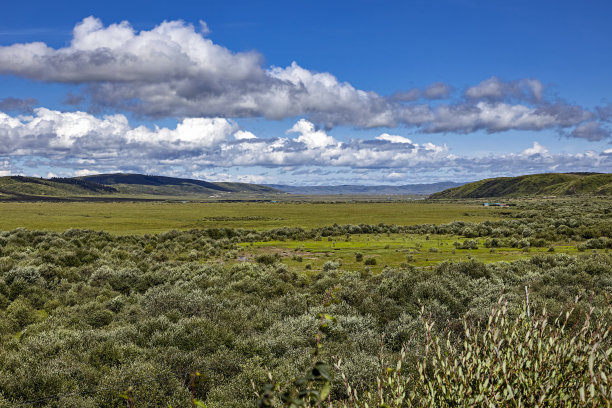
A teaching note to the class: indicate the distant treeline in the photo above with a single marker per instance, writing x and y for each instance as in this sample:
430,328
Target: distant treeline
88,185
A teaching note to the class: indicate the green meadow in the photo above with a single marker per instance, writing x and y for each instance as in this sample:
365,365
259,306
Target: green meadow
154,217
388,250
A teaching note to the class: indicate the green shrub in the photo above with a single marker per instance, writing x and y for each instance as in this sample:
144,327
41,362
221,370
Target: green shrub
268,259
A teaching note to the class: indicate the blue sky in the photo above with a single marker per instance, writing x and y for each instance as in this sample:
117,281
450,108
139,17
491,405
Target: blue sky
359,92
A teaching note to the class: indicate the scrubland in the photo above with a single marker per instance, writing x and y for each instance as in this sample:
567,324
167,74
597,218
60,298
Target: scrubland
273,304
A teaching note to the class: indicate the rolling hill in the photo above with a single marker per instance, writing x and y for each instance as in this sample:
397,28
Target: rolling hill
118,186
20,186
139,184
549,184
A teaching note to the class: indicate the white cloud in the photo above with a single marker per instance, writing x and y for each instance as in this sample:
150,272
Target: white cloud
80,143
536,149
437,90
393,138
5,168
174,70
310,137
590,131
496,89
244,135
191,132
499,117
51,132
84,172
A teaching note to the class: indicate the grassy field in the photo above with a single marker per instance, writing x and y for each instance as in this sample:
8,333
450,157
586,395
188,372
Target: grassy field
391,250
154,217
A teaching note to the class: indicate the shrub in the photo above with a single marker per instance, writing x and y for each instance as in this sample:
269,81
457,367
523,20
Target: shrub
330,265
268,259
370,261
522,362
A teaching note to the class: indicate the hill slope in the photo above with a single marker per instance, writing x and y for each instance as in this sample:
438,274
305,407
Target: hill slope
108,186
171,186
549,184
54,187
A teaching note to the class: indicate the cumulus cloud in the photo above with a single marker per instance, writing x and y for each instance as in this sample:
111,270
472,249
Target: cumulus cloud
175,70
244,135
310,137
50,132
499,117
78,143
496,89
11,104
406,96
393,138
437,90
90,141
5,167
536,149
590,131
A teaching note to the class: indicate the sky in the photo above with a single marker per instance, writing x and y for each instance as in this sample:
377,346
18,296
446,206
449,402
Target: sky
306,93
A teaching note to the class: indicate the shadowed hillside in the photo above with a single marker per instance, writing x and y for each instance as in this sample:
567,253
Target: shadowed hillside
54,187
110,186
171,186
550,184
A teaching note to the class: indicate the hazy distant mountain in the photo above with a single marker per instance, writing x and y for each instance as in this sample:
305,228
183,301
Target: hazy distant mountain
408,189
548,184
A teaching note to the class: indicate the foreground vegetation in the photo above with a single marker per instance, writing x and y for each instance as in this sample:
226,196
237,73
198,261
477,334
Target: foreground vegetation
84,315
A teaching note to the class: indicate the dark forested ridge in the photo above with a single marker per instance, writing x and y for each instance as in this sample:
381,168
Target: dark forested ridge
161,185
551,184
107,186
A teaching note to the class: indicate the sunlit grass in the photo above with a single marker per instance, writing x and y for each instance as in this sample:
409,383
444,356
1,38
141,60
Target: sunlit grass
393,250
154,217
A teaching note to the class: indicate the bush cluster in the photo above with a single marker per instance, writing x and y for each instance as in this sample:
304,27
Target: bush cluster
84,315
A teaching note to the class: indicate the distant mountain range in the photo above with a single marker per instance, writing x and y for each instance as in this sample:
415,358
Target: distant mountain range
139,186
121,186
549,184
408,189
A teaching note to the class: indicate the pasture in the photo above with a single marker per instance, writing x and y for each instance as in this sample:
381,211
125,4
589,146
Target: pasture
389,250
154,217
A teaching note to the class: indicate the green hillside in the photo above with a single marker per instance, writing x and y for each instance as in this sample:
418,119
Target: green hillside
19,186
140,184
115,186
549,184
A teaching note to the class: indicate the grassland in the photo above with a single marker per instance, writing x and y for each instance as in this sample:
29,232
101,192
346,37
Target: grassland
154,217
389,250
396,251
